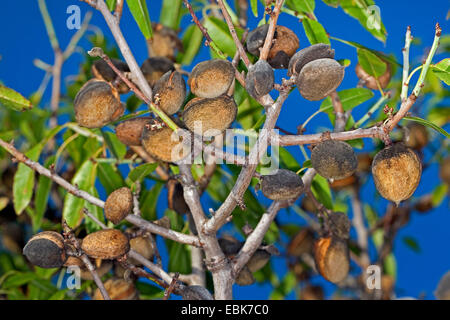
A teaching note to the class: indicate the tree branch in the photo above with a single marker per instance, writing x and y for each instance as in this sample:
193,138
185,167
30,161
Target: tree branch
271,31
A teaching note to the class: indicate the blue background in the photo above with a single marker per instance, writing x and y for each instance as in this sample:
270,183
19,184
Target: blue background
24,38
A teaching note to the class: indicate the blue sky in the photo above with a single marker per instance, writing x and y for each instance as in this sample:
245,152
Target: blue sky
24,38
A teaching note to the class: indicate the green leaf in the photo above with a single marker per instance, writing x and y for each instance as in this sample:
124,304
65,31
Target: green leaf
428,124
288,161
371,63
149,200
442,70
439,115
110,177
332,3
285,287
23,184
41,198
111,4
170,13
18,279
91,225
321,190
221,36
140,172
13,100
315,31
192,41
368,16
73,206
301,5
117,148
390,265
58,295
350,98
439,194
254,6
411,243
138,9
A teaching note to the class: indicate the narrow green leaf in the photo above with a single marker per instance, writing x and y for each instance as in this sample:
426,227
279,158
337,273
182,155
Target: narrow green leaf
301,5
91,225
285,287
288,160
192,41
411,243
110,177
315,31
149,200
170,13
254,5
439,115
111,4
140,172
117,148
221,36
138,9
73,206
13,100
428,124
371,63
58,295
321,190
390,265
18,279
41,197
23,183
439,194
442,70
350,98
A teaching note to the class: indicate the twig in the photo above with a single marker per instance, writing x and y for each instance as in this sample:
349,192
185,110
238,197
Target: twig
360,228
94,218
341,119
139,271
271,31
408,39
373,109
171,287
118,10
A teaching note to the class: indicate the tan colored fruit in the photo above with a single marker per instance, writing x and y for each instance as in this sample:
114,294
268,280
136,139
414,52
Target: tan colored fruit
282,185
104,268
143,246
118,205
73,261
424,204
308,54
46,250
319,78
260,79
164,144
153,68
171,91
245,277
175,197
339,225
102,71
311,292
396,172
343,183
301,243
444,170
417,136
370,81
97,104
165,42
209,117
118,289
332,259
106,244
308,205
258,260
334,159
212,78
129,132
300,270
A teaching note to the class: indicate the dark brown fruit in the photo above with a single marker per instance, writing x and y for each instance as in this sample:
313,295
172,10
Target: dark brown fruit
245,277
444,170
118,205
260,79
424,204
46,250
212,78
332,259
364,162
334,159
285,43
343,183
282,185
229,245
417,137
301,243
102,71
154,68
308,54
319,78
129,132
209,117
164,144
165,42
175,197
370,81
171,91
339,225
396,172
258,260
106,244
118,289
311,292
308,205
97,104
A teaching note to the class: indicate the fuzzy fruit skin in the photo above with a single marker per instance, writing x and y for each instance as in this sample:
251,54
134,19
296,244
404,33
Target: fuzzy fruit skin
212,78
417,136
165,42
339,225
172,92
332,259
308,54
143,246
164,144
370,81
334,159
129,132
175,197
319,78
282,185
102,71
97,104
118,205
255,39
153,68
46,250
105,244
396,172
212,116
118,289
444,170
245,277
258,260
302,242
260,79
